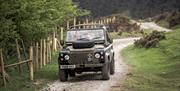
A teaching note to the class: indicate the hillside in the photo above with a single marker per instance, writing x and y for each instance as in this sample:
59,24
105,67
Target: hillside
154,69
133,8
168,19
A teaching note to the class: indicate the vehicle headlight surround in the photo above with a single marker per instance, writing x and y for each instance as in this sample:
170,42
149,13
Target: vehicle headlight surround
97,55
66,57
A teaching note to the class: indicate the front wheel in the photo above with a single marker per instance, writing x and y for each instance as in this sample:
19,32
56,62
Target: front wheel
112,67
63,75
72,73
105,72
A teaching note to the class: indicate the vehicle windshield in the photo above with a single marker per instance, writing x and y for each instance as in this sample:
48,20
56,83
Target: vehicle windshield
97,35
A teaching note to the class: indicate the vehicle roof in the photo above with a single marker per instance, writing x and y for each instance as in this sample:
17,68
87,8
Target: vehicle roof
86,29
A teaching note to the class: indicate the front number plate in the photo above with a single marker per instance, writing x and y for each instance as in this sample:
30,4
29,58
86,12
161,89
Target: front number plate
68,66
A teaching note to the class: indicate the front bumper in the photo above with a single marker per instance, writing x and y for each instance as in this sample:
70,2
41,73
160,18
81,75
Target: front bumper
80,66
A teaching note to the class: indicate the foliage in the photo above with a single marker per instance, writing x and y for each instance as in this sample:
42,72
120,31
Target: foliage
168,19
133,8
154,69
150,40
120,33
32,20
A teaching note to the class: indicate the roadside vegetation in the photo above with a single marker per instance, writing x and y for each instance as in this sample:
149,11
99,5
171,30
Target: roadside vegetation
154,69
168,19
151,40
20,82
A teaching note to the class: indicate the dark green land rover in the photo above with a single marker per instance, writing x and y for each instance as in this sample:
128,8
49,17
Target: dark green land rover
86,50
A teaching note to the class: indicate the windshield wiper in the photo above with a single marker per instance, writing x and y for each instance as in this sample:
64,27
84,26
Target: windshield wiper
82,39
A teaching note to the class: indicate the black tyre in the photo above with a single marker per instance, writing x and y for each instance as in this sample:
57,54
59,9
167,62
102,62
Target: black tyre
112,66
63,75
72,73
105,71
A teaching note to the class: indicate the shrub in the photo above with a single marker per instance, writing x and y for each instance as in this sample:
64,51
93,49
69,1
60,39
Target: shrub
150,40
120,33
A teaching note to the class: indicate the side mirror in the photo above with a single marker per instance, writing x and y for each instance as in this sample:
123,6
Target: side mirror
110,41
107,44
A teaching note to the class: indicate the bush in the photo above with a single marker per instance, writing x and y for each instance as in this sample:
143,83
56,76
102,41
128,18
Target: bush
150,40
120,33
168,19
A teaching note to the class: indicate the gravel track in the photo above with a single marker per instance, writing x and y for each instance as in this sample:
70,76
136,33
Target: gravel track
92,81
154,26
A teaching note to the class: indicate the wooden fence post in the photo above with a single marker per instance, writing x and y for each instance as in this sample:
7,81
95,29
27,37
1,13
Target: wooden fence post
79,22
84,27
92,24
113,19
19,55
31,72
41,43
37,56
53,41
47,51
62,33
107,20
2,68
99,21
104,22
87,21
50,52
74,21
67,26
110,20
44,53
55,46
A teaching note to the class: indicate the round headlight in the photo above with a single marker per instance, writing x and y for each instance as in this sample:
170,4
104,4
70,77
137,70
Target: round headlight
66,57
97,55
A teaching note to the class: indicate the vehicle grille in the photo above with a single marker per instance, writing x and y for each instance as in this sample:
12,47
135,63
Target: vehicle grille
81,57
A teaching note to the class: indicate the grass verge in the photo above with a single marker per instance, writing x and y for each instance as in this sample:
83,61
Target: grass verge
21,82
154,69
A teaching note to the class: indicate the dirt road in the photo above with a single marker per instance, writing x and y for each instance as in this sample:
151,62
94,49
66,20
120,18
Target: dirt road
92,81
152,25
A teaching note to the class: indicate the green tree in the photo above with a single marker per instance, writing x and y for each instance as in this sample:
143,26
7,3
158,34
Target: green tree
32,20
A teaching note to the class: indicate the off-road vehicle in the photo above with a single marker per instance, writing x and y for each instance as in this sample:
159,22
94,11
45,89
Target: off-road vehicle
87,49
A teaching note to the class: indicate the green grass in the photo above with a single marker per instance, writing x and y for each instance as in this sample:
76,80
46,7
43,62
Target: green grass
163,23
154,69
43,76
